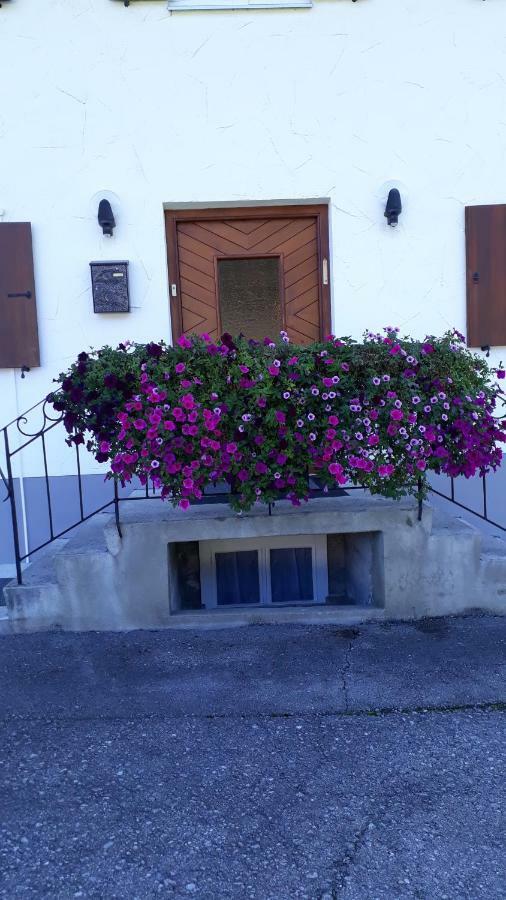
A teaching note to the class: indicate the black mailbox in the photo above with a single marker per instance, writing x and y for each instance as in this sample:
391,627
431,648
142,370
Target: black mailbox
109,281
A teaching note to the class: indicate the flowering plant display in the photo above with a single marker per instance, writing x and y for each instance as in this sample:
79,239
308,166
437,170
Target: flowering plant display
263,416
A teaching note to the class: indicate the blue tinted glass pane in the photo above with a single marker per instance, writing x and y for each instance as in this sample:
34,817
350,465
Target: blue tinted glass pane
237,577
291,575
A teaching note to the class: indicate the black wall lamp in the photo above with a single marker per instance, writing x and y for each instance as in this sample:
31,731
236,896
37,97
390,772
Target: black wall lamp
106,218
393,208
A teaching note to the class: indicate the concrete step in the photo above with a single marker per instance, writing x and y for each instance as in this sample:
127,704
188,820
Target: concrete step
39,598
494,546
493,571
96,580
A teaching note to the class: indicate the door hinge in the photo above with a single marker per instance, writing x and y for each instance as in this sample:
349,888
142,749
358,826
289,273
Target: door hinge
325,270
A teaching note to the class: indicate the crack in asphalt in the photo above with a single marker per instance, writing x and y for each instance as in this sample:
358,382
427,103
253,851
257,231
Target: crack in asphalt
486,706
345,674
345,863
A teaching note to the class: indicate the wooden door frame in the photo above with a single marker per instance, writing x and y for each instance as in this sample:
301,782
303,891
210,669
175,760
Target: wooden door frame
320,211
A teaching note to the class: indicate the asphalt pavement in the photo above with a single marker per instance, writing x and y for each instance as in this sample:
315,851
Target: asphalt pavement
267,762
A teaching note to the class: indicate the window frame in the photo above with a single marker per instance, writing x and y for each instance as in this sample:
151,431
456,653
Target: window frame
263,545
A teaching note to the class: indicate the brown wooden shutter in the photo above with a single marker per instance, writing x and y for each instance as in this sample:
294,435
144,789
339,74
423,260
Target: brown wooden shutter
19,342
486,275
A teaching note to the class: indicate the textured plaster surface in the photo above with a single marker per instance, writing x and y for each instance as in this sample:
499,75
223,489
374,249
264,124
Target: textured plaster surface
151,108
265,763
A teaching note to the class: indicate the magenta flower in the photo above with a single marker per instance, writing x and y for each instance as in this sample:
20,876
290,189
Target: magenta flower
187,401
180,367
385,471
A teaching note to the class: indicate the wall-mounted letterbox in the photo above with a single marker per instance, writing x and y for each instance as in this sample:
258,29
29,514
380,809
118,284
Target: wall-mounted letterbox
109,281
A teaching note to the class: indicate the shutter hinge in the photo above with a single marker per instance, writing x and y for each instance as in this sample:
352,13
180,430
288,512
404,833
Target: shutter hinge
173,290
325,271
476,277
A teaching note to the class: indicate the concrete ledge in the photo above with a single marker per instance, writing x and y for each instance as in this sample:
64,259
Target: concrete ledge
217,522
427,568
295,615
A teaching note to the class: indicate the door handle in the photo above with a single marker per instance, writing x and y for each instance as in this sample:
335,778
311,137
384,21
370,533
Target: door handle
26,294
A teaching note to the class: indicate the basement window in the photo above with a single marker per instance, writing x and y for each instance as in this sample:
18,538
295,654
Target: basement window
264,571
291,570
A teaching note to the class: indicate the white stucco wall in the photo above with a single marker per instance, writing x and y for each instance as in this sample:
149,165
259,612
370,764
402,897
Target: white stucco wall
340,101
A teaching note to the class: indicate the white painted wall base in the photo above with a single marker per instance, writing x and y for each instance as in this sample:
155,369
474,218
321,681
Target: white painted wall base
340,101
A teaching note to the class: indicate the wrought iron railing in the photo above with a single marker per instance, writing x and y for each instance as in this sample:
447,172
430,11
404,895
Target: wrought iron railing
19,434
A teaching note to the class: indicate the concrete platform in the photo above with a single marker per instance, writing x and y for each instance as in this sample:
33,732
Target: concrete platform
98,580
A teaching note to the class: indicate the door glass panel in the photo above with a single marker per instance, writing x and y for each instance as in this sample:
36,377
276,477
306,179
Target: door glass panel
237,577
291,575
249,297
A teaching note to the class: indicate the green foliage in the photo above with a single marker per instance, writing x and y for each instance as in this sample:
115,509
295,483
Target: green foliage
380,413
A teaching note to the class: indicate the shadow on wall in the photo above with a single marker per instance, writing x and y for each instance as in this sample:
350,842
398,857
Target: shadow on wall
3,582
469,492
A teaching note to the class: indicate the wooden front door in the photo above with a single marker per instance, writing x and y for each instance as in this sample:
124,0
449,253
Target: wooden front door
255,271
